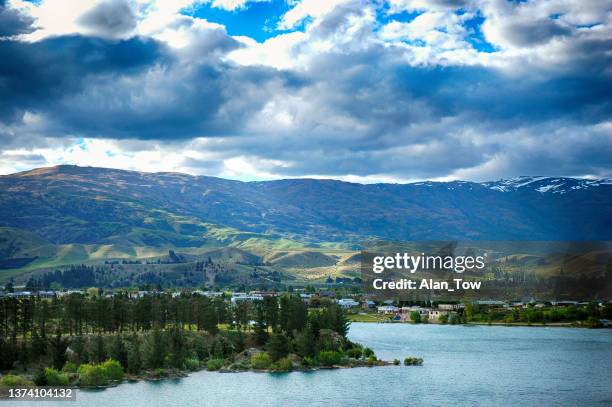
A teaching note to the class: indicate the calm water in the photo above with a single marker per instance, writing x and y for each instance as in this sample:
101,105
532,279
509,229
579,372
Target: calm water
464,365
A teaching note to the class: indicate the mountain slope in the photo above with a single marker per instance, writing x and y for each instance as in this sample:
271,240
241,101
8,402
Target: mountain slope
69,204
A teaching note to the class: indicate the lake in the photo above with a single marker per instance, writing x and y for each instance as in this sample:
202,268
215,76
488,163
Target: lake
463,365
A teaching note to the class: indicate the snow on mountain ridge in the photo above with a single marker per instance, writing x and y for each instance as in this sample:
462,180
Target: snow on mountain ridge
555,185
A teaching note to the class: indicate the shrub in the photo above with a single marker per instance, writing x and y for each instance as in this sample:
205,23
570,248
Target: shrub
113,369
371,359
192,363
396,362
283,365
367,352
69,367
214,364
55,378
92,375
413,361
329,358
307,361
11,380
354,353
159,372
39,378
261,360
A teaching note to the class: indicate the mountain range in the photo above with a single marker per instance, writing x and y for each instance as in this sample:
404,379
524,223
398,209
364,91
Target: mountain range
70,204
108,211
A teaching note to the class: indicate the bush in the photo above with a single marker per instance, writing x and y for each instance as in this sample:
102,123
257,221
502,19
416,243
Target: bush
55,378
39,378
367,352
11,380
214,364
413,361
69,367
92,375
354,353
159,372
192,363
283,365
329,358
371,359
307,361
113,369
261,360
396,362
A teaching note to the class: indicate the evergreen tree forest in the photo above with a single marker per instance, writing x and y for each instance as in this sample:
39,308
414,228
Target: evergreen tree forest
152,335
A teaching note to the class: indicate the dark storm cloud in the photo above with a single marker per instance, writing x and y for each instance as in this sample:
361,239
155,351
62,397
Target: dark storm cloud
35,76
534,32
13,22
110,18
361,108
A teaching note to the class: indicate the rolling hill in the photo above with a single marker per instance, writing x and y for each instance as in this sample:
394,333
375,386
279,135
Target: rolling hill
66,214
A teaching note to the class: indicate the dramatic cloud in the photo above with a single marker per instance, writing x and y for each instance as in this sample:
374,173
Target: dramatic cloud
351,89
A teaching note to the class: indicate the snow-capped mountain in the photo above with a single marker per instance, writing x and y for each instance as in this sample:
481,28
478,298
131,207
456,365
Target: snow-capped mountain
546,184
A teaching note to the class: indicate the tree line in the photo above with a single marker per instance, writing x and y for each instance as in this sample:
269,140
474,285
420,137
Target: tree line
158,331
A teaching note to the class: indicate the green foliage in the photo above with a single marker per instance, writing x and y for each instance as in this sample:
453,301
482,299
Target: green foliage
396,362
92,375
411,361
367,352
261,360
11,380
39,378
160,372
415,317
134,358
113,369
57,347
192,363
354,352
278,346
97,349
214,364
372,359
329,358
155,349
69,367
261,327
55,378
282,365
308,361
177,350
443,319
306,343
118,351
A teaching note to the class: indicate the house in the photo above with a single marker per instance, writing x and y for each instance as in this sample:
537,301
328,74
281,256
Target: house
449,307
240,298
347,303
19,294
46,294
435,314
563,303
368,304
407,312
421,310
388,309
491,303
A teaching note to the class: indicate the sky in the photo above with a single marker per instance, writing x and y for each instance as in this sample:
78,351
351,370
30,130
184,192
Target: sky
357,90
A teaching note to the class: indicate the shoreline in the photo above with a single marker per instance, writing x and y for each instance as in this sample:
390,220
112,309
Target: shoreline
506,324
180,374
